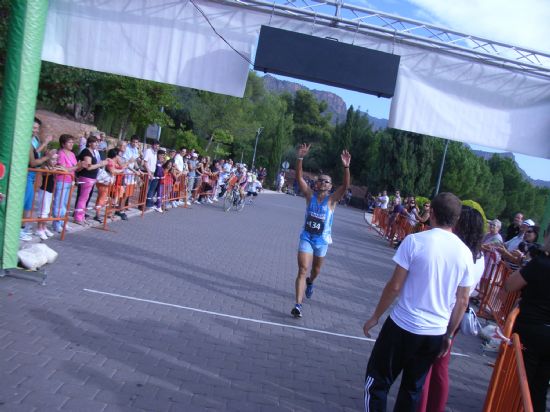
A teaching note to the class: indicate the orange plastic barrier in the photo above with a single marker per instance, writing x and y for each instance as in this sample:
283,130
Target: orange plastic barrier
384,222
175,190
400,228
509,324
127,191
395,230
491,264
376,215
45,192
206,187
508,389
496,303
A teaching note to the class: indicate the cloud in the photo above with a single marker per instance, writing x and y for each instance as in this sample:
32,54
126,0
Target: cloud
517,23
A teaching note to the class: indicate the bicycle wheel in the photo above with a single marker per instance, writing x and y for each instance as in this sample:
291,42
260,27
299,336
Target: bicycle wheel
240,203
228,201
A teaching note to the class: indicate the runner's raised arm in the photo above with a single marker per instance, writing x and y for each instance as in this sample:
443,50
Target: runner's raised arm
342,189
302,151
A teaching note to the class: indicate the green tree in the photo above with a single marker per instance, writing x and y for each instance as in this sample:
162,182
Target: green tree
280,140
310,125
514,194
180,138
138,101
63,88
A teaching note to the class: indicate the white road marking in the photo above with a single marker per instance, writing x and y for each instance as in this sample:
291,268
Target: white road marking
224,315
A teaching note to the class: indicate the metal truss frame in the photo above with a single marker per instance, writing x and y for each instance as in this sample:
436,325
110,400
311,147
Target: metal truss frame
360,20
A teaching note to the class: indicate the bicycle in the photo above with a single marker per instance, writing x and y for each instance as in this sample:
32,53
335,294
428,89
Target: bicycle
233,200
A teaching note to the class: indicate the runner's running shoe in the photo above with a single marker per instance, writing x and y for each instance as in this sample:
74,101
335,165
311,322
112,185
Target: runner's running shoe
297,311
309,288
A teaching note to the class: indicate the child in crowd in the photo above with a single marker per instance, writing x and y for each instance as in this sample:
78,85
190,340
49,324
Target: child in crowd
45,195
167,185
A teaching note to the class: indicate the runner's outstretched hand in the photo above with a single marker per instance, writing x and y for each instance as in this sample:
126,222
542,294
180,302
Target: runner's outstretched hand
303,150
346,158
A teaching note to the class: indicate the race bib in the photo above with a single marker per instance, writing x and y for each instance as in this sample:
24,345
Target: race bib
314,225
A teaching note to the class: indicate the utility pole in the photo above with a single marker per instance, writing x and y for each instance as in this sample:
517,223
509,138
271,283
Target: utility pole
441,168
255,147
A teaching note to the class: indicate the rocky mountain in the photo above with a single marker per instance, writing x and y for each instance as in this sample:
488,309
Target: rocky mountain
336,104
488,155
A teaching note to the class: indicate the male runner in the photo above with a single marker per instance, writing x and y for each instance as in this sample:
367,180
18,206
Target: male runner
315,236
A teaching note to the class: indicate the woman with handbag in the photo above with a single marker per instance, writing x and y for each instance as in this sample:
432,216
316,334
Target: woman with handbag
470,229
86,178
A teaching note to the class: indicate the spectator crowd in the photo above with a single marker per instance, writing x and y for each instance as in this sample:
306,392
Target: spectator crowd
115,173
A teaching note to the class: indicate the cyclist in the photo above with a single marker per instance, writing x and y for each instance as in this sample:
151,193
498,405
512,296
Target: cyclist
315,236
242,179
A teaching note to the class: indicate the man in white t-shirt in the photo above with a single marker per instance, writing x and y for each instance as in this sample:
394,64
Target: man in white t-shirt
384,200
432,281
150,158
180,164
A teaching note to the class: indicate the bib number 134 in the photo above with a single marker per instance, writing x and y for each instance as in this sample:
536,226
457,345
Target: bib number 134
314,225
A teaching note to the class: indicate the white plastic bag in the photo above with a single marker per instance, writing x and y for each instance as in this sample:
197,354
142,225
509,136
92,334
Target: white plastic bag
36,255
31,259
470,324
50,254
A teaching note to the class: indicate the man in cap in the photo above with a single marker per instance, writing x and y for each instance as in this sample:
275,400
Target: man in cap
513,243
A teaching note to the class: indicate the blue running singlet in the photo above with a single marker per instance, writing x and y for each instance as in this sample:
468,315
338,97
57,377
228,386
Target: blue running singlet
318,222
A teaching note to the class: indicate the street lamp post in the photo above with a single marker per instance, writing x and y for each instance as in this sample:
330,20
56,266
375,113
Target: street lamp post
255,147
441,168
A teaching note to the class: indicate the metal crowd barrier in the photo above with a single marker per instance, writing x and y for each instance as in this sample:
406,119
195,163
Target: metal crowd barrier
175,190
495,302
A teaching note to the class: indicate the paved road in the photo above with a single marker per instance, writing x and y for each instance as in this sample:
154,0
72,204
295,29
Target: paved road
189,311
